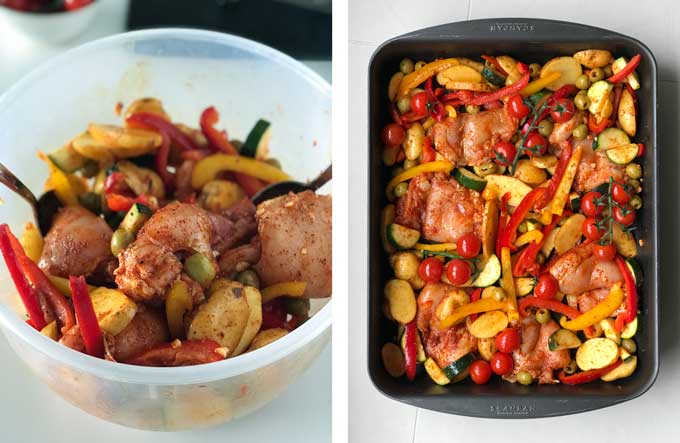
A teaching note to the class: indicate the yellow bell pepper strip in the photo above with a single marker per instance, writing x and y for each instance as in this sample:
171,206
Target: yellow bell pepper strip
415,78
528,237
508,283
290,289
556,205
435,166
437,247
601,311
540,83
65,187
208,168
476,307
177,303
32,241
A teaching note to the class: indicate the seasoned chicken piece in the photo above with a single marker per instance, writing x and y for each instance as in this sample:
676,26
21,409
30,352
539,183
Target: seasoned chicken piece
562,131
147,329
595,168
534,356
578,271
589,299
240,258
295,237
468,139
446,211
427,301
77,243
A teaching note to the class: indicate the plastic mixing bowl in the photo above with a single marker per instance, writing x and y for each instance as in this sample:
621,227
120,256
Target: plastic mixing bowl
188,70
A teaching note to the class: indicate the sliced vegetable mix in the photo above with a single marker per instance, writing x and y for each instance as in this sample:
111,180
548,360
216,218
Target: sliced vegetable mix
511,214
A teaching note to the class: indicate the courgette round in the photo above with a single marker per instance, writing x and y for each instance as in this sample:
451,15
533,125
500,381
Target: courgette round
612,138
490,274
635,270
469,179
459,366
563,339
435,372
257,142
401,236
622,155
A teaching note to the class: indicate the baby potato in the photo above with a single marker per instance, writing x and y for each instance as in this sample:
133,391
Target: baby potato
530,173
401,300
114,309
148,105
414,140
596,353
405,265
266,336
218,195
567,66
593,58
223,317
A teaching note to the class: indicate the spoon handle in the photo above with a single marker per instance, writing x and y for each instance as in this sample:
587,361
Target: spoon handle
10,180
322,179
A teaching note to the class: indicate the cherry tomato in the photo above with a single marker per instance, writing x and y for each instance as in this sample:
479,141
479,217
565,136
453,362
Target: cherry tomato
419,103
458,271
430,270
563,110
505,153
501,363
468,245
71,5
624,216
536,142
480,372
516,107
393,134
507,340
604,252
590,229
619,194
589,205
547,287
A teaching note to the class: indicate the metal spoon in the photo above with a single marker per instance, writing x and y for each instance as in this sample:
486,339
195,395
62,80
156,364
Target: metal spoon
10,180
282,188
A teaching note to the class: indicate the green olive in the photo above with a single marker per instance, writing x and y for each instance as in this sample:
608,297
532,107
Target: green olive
608,71
419,64
404,104
274,162
524,378
596,74
633,170
249,278
200,268
581,101
580,132
629,345
390,155
635,202
540,258
400,189
397,170
91,201
486,169
296,306
570,368
522,228
635,184
472,109
535,69
120,240
408,164
545,128
406,66
582,81
542,316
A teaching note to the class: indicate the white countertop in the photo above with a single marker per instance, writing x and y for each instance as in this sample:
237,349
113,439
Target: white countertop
375,418
31,412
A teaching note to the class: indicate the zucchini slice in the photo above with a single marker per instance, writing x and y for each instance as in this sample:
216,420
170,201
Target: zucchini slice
492,77
490,274
458,367
635,270
598,93
402,237
67,159
630,329
436,374
612,138
622,155
632,78
624,370
135,218
563,339
257,142
575,202
420,351
524,285
386,218
469,179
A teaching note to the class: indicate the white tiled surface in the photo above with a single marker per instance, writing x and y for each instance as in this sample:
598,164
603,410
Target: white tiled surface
374,418
30,412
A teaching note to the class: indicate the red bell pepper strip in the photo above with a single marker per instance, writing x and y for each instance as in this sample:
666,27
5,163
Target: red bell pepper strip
410,349
513,89
626,70
179,353
502,221
429,154
587,376
147,120
553,305
87,318
463,96
563,159
474,296
564,91
509,233
119,202
631,292
595,127
526,261
493,61
29,295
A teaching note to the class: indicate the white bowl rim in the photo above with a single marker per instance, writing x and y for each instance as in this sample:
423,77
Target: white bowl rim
251,361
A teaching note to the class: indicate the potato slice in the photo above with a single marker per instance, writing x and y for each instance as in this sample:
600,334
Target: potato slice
87,146
489,324
567,66
129,138
223,317
477,66
509,65
254,323
502,184
266,336
529,173
469,86
569,233
627,114
593,58
401,300
486,347
625,242
148,105
113,308
459,73
626,369
596,353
